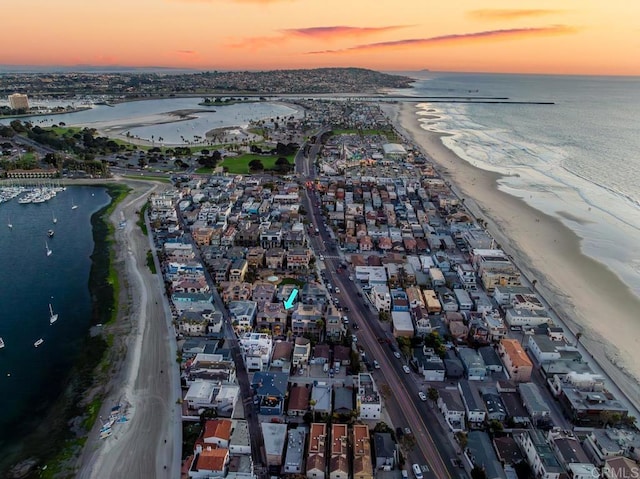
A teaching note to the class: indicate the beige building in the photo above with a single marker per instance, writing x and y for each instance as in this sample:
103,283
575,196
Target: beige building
18,101
362,466
516,362
316,457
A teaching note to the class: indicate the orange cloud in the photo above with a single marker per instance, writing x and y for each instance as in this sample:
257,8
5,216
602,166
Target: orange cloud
264,2
323,33
461,38
340,31
496,14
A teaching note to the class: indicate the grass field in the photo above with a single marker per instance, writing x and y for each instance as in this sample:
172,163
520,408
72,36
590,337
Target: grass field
240,164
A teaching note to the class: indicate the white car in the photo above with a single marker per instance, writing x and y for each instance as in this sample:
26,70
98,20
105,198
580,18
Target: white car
397,354
337,290
354,338
321,258
422,396
406,369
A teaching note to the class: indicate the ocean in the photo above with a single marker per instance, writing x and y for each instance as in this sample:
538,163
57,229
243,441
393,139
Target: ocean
577,160
32,378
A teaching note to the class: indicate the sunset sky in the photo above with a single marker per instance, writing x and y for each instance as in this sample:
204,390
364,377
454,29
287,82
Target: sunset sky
543,36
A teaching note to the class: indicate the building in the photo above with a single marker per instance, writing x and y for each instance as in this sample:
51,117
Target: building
473,405
271,390
539,454
316,453
534,403
452,408
480,453
294,459
362,466
474,365
256,349
18,101
516,362
209,462
368,400
402,324
339,460
298,400
274,436
385,451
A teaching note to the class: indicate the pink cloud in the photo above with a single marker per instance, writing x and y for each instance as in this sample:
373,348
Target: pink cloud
460,38
339,31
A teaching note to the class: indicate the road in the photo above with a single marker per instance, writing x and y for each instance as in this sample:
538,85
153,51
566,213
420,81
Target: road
255,431
149,444
403,404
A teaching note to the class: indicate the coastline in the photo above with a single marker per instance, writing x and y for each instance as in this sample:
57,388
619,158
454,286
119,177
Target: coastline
547,251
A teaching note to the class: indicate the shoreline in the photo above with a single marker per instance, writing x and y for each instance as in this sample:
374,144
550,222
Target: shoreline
549,252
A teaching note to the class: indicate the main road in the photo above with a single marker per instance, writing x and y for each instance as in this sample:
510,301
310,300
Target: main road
401,399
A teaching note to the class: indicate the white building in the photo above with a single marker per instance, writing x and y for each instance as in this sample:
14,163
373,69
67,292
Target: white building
256,350
368,400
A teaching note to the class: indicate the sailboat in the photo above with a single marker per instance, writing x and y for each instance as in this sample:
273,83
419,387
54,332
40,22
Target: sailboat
38,342
55,220
73,204
52,317
48,250
10,224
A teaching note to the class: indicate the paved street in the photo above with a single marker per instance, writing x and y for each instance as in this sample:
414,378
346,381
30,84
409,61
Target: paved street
398,389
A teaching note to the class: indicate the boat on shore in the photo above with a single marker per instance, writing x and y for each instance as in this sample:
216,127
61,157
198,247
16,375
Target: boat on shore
52,317
38,342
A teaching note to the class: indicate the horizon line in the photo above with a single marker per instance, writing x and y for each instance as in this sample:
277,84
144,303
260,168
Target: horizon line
106,68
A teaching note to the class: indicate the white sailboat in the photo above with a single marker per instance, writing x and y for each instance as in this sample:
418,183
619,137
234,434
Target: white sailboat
48,249
10,224
38,342
55,220
52,317
1,343
73,204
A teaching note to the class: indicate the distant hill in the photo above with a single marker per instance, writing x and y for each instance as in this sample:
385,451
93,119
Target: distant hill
147,82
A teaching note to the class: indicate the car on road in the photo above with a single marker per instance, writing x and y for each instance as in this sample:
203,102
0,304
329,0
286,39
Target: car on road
417,471
354,325
337,290
354,338
376,364
346,309
422,396
407,431
396,354
321,258
406,369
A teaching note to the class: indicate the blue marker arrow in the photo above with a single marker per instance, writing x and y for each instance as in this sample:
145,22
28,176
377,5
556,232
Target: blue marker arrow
288,304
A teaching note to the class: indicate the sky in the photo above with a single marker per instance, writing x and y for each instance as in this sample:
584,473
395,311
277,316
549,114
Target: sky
591,37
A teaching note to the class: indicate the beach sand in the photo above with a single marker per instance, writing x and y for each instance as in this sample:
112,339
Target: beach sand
588,298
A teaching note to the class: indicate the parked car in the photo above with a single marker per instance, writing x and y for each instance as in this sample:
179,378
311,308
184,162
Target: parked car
422,396
396,354
406,369
376,364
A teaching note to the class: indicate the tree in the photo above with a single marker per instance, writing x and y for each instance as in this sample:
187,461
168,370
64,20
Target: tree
256,165
433,394
478,473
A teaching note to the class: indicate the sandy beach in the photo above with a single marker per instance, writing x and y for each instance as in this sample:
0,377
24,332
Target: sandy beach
587,297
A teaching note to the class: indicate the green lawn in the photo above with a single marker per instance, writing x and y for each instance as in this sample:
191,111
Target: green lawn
240,164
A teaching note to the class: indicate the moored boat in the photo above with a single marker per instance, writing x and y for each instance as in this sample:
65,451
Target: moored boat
52,317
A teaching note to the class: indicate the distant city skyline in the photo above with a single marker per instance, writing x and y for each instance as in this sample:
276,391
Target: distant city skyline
591,37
